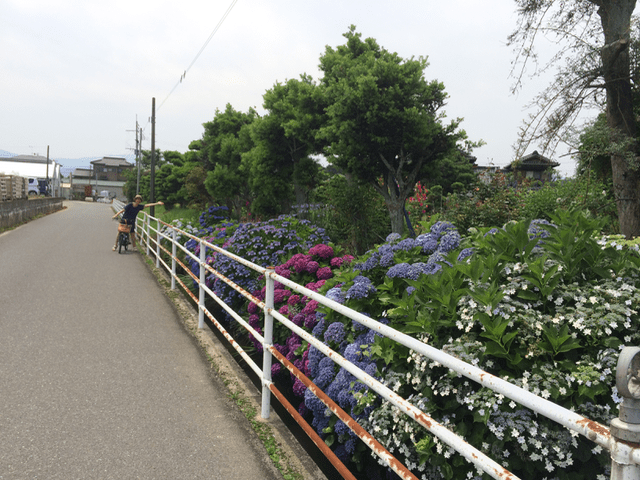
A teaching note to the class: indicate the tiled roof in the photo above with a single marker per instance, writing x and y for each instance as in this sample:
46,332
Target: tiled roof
112,162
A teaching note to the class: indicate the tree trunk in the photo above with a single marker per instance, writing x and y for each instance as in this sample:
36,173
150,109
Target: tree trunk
394,205
616,24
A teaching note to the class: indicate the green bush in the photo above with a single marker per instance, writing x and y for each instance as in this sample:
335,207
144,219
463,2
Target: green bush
544,306
353,215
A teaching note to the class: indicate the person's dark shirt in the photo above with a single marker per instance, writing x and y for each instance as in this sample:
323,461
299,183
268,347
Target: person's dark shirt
131,212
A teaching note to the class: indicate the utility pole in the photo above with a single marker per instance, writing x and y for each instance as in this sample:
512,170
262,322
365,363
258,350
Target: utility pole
47,182
152,198
138,157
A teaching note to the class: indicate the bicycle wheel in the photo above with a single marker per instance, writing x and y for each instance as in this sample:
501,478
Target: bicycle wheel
120,242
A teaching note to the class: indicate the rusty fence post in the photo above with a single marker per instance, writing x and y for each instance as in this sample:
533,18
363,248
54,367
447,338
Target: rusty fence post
625,430
268,342
173,257
203,257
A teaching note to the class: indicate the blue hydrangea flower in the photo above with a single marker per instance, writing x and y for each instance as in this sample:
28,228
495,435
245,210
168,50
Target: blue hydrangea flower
326,373
334,333
406,244
392,237
336,294
361,288
403,270
428,242
440,228
539,232
387,260
465,253
370,263
449,241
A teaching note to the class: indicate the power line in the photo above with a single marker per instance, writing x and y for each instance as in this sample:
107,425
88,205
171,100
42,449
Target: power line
182,77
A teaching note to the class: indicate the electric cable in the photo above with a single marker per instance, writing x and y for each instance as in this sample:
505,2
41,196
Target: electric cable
182,77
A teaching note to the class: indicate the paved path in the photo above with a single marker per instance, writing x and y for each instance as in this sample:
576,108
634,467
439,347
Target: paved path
97,378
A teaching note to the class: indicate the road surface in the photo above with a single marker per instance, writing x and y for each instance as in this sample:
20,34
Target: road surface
98,380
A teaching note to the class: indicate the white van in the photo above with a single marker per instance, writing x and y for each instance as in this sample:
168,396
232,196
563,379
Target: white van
34,187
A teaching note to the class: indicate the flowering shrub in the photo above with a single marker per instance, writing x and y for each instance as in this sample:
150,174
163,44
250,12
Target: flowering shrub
417,205
266,244
384,269
545,307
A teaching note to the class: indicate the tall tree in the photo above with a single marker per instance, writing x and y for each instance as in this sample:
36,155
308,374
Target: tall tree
297,107
597,36
383,119
224,141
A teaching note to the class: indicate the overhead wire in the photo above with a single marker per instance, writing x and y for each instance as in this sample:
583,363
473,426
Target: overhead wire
182,77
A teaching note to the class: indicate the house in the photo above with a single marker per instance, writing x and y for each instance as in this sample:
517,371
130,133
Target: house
105,174
111,169
33,166
533,167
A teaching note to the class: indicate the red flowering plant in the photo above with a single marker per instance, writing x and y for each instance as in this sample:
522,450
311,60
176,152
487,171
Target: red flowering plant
311,270
417,205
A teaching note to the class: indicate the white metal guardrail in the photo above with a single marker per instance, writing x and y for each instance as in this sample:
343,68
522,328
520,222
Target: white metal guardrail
622,439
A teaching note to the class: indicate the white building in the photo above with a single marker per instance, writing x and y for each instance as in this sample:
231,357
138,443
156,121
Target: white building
33,166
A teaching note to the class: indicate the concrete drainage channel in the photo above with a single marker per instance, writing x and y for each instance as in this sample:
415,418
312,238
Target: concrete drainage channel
297,455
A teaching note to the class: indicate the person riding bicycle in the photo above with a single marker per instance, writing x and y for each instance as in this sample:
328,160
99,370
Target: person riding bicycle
130,213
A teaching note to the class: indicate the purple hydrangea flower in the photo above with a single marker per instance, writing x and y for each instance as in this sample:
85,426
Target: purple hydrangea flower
312,267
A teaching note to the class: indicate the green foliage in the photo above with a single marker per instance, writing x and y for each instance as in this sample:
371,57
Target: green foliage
483,205
353,215
583,192
225,140
547,307
382,118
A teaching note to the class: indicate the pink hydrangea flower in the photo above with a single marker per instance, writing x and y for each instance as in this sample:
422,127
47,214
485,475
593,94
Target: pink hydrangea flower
322,251
252,308
312,267
324,273
293,299
300,265
254,321
310,308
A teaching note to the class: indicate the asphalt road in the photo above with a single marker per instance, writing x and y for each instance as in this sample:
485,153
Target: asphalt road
97,378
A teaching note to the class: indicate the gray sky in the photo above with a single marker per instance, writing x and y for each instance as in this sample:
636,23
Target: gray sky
77,73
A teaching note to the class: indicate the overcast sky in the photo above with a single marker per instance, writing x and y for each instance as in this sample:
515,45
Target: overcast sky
77,73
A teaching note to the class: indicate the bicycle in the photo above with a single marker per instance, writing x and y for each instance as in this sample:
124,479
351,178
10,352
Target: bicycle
123,237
